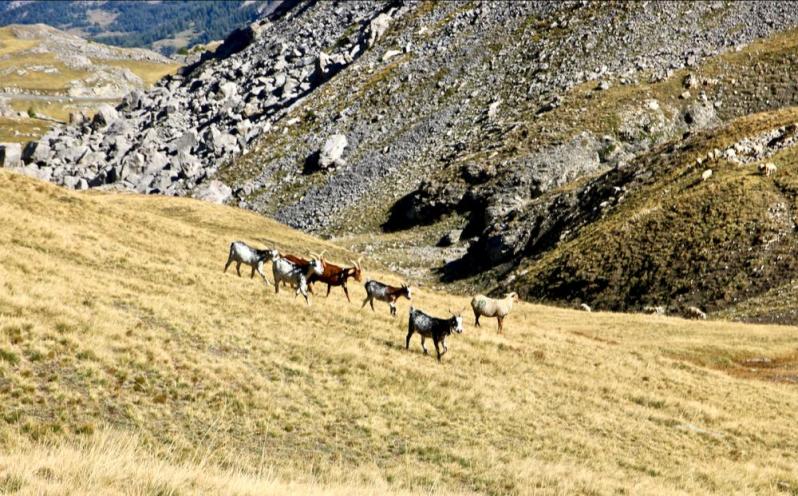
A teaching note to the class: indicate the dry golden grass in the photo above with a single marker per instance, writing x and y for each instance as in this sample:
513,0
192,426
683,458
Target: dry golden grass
21,130
121,339
111,463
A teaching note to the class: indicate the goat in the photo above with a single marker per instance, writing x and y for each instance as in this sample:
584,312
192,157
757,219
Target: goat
240,253
433,327
585,307
695,313
302,263
386,293
654,310
286,271
706,174
767,169
489,307
333,275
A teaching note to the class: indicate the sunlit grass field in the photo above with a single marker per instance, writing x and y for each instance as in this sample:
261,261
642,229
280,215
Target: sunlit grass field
130,364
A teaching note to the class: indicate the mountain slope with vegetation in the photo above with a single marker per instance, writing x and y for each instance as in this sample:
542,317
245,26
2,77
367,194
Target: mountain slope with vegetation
120,337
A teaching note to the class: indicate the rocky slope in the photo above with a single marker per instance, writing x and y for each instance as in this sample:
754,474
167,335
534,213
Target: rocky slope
517,123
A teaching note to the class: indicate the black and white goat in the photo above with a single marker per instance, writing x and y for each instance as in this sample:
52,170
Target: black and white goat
386,293
286,271
433,327
242,253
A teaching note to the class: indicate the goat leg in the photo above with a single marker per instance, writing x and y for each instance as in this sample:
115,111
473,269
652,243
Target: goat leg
407,341
346,292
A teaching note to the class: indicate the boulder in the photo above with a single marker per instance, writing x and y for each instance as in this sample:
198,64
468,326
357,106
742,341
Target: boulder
77,118
228,89
37,151
72,154
10,155
185,143
213,191
390,54
451,238
377,28
74,182
332,152
105,116
133,100
220,141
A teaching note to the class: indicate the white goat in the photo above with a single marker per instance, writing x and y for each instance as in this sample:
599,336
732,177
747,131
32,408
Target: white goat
286,271
490,307
695,313
242,253
706,174
767,169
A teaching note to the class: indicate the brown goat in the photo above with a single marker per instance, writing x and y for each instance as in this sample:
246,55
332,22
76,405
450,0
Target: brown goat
333,275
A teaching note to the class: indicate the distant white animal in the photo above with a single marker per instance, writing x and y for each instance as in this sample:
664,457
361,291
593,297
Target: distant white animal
585,307
706,174
242,253
767,169
490,307
695,313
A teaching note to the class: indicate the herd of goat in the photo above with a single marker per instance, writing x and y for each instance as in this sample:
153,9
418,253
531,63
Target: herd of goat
301,273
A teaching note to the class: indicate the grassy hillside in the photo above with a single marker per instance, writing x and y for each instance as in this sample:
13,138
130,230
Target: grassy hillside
678,240
123,347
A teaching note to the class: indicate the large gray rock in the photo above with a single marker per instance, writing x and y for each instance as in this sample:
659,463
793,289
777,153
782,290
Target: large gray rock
214,191
377,28
228,89
220,141
37,152
10,155
332,151
451,238
105,116
184,143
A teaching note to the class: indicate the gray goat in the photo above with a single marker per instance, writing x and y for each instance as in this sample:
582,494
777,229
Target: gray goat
286,271
242,253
